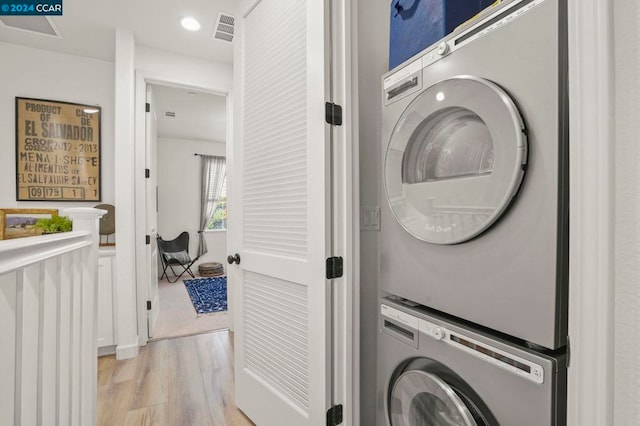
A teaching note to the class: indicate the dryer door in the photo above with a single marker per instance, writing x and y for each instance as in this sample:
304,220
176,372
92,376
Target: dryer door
419,398
455,160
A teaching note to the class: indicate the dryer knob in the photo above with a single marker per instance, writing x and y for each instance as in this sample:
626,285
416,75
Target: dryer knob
438,333
443,48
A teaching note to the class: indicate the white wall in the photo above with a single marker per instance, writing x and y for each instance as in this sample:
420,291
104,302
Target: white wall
373,30
178,69
627,213
35,73
179,194
125,283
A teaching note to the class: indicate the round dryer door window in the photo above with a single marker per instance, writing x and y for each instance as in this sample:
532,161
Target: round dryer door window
419,398
455,160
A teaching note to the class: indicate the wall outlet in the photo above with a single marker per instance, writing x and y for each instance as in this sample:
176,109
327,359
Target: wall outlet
369,218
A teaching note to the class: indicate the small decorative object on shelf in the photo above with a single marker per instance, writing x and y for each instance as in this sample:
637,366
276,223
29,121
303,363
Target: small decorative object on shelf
107,224
54,224
16,223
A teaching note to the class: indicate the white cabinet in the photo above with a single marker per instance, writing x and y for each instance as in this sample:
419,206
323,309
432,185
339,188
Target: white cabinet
106,273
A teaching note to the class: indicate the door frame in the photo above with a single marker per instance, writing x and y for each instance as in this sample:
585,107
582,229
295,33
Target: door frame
590,396
142,78
346,206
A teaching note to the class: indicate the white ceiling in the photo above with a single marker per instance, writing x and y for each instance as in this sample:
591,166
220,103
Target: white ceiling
87,27
201,116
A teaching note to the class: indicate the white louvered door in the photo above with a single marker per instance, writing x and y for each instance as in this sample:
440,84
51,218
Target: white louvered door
280,213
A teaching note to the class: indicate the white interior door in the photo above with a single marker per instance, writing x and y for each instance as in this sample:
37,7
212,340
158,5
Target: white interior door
151,204
279,213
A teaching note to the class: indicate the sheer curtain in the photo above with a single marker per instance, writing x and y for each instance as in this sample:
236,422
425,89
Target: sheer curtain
213,170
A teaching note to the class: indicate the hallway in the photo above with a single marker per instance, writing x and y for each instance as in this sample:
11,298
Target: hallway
182,381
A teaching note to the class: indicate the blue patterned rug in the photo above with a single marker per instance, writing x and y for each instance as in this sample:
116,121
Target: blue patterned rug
208,294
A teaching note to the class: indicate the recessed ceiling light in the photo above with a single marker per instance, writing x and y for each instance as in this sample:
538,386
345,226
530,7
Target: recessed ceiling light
192,93
190,23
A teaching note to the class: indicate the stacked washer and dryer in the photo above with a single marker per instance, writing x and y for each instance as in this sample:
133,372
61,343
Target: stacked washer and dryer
474,233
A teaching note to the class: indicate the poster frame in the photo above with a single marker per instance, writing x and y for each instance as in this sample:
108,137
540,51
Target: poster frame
17,154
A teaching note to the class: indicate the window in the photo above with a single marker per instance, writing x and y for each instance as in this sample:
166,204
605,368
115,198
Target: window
213,197
219,218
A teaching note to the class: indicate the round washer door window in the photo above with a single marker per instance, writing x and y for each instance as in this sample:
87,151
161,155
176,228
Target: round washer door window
455,160
419,398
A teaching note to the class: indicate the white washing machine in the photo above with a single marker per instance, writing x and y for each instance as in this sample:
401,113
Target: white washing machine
433,371
475,141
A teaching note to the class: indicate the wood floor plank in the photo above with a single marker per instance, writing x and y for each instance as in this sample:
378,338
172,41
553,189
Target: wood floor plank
106,368
139,417
226,339
211,351
114,402
219,384
152,381
127,369
148,416
187,403
183,381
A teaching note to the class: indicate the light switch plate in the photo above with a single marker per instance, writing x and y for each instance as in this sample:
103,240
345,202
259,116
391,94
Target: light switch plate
369,218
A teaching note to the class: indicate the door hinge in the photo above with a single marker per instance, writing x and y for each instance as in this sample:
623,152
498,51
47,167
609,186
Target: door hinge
147,173
334,415
148,305
147,239
334,267
147,107
333,114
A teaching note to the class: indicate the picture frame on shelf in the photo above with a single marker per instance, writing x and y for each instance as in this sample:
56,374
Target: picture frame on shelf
18,223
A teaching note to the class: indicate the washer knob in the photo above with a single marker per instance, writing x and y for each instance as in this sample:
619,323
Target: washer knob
438,333
442,49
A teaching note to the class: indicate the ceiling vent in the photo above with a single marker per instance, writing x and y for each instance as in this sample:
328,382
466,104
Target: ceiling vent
224,27
33,24
169,114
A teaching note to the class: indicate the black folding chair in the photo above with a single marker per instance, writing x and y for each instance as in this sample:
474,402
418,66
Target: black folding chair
175,253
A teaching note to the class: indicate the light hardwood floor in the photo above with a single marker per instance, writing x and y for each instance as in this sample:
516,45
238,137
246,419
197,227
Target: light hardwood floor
182,381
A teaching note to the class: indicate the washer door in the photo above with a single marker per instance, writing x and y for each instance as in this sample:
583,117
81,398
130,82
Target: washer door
455,160
419,398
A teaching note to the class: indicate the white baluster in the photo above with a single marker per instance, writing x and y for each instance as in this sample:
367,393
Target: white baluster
8,308
47,379
86,219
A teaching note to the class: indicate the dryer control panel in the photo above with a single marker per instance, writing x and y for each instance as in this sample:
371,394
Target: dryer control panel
489,353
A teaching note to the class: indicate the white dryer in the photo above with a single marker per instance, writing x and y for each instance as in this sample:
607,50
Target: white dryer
474,143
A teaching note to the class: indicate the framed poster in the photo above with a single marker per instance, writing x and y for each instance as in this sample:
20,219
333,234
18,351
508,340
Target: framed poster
57,151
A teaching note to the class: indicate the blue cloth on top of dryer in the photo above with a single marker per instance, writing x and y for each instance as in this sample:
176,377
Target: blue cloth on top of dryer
417,24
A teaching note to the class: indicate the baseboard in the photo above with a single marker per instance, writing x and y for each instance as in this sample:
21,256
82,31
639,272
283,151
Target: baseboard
127,351
106,350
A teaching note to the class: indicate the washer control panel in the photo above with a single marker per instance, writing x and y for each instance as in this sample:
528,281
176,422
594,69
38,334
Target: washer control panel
404,318
495,356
